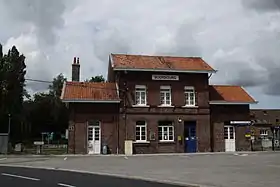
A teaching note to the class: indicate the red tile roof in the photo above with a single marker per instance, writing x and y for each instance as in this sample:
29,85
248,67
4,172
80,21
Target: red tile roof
229,94
89,91
122,61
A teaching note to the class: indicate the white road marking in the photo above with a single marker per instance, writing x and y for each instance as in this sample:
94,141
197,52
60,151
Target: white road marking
3,159
21,177
65,185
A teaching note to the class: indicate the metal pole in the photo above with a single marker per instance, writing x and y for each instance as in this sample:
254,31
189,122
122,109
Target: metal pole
9,130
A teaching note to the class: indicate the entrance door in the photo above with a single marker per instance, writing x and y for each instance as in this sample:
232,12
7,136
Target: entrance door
94,144
229,134
190,137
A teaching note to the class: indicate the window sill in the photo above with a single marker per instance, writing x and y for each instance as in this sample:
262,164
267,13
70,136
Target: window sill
141,106
166,106
189,106
141,142
163,141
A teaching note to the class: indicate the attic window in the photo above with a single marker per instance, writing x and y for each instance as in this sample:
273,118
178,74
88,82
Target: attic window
277,120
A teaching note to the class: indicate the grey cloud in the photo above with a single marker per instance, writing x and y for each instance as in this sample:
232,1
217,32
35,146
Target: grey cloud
46,15
185,43
262,5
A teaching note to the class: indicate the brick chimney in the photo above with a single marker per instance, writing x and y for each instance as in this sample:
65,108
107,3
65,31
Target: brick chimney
76,70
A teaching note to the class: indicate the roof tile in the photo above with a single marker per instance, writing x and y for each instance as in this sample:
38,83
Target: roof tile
124,61
90,91
229,93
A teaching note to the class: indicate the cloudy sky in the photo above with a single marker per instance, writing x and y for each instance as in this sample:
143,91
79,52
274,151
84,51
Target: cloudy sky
240,38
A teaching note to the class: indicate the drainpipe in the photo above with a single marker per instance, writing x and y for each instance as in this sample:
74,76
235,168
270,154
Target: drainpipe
118,133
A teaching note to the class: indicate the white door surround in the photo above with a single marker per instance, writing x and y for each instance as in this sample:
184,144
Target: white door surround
94,137
229,136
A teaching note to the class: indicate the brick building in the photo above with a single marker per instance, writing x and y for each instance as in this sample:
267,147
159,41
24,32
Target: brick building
161,104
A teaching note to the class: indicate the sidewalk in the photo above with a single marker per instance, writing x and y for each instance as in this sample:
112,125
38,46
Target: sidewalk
228,170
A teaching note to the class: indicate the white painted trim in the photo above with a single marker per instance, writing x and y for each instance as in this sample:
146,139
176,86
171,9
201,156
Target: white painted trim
89,101
240,122
63,90
117,87
141,106
231,103
190,106
141,142
166,106
189,88
164,70
146,132
111,59
140,87
165,87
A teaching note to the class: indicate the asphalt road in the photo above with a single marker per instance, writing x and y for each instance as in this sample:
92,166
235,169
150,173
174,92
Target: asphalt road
16,176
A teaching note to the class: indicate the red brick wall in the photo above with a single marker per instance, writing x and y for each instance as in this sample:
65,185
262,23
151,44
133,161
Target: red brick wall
80,114
225,113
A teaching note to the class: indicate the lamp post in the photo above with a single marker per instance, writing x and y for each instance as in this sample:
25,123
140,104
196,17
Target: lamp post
9,130
9,127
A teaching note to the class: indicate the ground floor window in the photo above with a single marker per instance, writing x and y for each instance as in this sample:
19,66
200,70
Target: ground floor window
165,131
264,132
141,131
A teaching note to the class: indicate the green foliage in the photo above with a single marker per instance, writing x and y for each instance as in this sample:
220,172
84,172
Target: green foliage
98,78
57,85
12,82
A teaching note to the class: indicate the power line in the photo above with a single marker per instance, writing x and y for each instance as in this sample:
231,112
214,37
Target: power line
82,84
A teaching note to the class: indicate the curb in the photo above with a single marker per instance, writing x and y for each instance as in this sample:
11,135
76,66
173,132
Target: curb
142,155
109,174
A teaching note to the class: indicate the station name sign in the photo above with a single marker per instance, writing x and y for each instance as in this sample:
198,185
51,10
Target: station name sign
165,77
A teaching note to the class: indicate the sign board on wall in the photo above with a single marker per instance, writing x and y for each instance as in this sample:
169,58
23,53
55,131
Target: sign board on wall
165,77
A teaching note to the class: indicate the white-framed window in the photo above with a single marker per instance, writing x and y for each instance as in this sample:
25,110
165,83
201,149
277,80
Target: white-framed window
264,132
140,95
141,131
189,96
165,95
165,131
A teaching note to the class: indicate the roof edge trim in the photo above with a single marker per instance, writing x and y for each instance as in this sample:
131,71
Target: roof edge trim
89,101
231,103
63,90
165,70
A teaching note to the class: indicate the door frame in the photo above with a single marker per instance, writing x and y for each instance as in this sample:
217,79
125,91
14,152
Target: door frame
99,125
228,136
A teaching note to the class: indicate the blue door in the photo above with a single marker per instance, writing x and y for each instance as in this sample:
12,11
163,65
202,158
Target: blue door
190,138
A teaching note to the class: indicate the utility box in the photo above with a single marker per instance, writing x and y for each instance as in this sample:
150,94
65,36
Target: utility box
128,147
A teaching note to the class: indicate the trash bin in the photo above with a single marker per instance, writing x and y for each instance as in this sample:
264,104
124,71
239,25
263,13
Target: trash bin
104,150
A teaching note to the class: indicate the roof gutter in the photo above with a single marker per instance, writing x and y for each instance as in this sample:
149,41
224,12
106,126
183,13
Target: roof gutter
231,103
89,101
164,70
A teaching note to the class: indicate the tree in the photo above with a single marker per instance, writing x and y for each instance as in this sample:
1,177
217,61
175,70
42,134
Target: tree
12,82
98,78
57,85
46,112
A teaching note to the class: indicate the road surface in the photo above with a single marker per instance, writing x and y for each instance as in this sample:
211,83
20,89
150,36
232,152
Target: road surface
13,176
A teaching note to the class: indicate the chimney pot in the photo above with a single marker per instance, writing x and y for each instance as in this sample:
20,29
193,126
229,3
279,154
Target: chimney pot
78,60
74,62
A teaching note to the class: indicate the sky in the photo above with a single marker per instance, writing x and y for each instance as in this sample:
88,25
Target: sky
240,38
